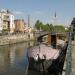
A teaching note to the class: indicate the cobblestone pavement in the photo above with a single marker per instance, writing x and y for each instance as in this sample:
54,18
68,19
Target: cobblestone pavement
73,58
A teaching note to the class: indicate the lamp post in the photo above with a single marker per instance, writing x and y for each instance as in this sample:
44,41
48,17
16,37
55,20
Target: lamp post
29,29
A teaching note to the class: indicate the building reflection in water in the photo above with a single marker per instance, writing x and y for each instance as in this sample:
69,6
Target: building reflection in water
13,59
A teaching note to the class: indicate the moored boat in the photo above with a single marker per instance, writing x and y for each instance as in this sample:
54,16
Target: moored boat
39,54
43,56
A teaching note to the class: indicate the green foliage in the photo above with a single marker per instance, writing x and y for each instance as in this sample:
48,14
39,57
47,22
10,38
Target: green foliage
73,22
59,28
73,25
38,24
49,27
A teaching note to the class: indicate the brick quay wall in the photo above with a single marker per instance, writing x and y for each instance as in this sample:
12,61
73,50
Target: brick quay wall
15,38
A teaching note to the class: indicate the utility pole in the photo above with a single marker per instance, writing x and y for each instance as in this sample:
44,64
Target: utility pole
29,29
28,20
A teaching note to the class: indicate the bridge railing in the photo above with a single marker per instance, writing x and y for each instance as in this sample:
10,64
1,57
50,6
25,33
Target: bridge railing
69,57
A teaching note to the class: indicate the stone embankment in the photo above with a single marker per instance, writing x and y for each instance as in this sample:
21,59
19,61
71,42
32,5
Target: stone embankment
16,38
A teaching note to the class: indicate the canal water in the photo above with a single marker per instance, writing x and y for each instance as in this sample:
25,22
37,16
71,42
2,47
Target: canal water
13,59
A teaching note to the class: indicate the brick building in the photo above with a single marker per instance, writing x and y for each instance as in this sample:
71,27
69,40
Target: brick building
20,25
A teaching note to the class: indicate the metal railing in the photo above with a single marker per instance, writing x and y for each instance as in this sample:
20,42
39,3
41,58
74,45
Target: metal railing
69,57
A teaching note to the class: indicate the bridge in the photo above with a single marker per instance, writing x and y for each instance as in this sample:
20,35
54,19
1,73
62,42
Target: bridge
43,33
39,34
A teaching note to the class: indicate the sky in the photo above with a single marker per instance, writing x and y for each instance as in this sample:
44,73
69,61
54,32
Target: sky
44,10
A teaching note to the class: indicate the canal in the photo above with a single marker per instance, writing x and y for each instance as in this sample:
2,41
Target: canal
13,59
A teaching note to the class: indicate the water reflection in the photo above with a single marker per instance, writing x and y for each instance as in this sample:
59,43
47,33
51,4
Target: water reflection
13,59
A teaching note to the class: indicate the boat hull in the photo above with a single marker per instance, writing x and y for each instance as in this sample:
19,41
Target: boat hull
41,65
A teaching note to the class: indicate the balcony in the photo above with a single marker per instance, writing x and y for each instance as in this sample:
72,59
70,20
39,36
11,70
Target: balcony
6,18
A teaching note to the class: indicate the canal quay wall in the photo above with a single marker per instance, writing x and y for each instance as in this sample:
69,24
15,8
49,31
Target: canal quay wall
15,38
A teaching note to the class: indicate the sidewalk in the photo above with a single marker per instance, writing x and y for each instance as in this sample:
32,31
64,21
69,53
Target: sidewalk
64,69
73,58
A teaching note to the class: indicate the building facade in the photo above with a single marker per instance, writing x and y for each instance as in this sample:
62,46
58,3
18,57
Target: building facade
20,25
6,21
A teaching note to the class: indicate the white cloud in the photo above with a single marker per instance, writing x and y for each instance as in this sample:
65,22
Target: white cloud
18,13
38,12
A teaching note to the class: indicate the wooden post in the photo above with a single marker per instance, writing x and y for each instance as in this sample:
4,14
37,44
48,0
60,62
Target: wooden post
53,40
49,38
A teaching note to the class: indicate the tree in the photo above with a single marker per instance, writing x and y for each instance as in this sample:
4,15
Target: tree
38,24
46,27
49,27
73,21
59,28
73,25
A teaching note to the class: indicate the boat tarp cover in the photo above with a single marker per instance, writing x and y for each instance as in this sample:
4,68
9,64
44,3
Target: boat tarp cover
43,51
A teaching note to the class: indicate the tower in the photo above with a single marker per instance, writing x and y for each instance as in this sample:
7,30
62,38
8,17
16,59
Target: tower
55,19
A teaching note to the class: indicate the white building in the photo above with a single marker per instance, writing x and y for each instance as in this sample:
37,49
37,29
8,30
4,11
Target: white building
6,21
